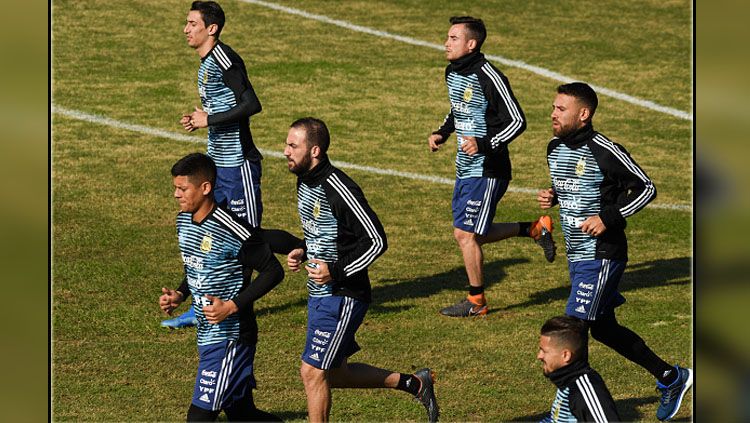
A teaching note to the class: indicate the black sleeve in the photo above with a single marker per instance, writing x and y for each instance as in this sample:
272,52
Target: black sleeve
235,77
350,208
633,187
256,254
184,289
281,242
505,118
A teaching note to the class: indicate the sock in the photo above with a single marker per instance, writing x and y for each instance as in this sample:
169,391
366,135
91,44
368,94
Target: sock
408,383
668,377
524,229
476,290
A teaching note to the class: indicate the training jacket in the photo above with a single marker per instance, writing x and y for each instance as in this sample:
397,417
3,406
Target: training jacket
581,396
340,229
591,175
482,106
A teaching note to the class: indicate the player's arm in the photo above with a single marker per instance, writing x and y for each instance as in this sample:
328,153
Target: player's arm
504,117
256,254
635,187
446,128
248,103
354,214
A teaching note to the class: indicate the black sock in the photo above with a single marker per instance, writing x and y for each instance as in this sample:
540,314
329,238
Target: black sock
668,377
476,290
408,383
524,229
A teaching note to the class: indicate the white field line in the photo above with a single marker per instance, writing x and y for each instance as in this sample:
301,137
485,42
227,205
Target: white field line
499,59
101,120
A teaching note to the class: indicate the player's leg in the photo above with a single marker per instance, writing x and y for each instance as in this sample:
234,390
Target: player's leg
473,205
251,176
318,392
245,411
594,297
197,414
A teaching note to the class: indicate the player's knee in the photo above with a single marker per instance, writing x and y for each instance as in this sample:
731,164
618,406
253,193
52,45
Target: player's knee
310,374
463,237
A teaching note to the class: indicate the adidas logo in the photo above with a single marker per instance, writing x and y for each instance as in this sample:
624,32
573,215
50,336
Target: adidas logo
315,357
581,309
469,222
204,398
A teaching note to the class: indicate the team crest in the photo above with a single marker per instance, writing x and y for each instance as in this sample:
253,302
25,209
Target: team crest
316,209
205,77
468,93
206,243
581,166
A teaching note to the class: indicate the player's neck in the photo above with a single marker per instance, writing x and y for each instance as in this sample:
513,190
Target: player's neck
206,47
203,211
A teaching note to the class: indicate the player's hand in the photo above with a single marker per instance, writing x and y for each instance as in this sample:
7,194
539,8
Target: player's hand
469,146
593,226
435,141
199,118
294,259
546,198
170,300
187,123
219,309
320,274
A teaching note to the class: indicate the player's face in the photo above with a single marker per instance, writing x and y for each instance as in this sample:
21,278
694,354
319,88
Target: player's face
190,196
298,153
550,355
567,116
195,29
458,45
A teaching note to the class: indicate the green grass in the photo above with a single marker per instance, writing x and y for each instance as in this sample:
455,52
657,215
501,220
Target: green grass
114,243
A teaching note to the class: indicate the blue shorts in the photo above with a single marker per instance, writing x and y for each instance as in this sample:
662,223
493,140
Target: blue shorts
475,202
225,374
238,188
593,290
331,325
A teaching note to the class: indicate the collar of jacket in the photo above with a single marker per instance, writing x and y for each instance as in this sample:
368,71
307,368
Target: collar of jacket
467,62
317,175
562,376
580,136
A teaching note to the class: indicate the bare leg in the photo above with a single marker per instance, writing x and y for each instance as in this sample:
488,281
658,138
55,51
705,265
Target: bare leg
472,254
318,391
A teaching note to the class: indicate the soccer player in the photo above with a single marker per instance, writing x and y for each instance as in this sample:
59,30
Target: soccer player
581,395
486,117
598,185
228,101
220,251
343,237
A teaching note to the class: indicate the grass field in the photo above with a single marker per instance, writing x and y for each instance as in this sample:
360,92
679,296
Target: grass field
113,215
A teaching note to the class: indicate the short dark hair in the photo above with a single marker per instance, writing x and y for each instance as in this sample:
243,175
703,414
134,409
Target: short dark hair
475,27
583,92
569,331
212,13
198,167
316,132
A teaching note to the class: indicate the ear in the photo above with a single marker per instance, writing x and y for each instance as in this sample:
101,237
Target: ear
315,151
584,114
567,355
472,44
212,29
206,188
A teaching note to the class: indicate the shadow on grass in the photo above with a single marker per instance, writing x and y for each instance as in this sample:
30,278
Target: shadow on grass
425,286
628,409
648,274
